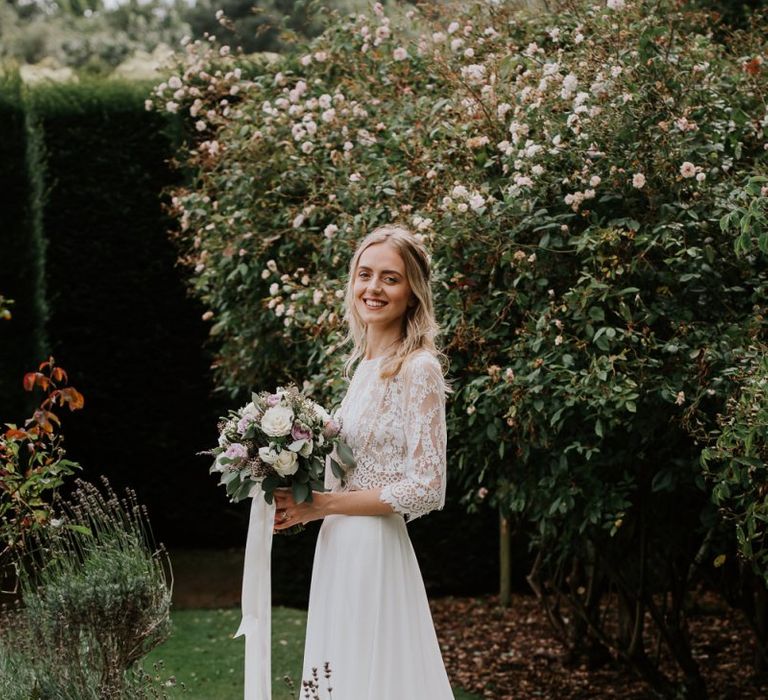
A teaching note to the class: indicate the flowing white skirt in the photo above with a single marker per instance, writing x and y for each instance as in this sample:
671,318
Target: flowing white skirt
369,616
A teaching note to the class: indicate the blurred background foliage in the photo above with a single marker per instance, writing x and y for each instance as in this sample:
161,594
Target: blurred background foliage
93,37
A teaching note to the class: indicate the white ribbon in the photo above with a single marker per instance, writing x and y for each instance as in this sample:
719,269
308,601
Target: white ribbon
256,623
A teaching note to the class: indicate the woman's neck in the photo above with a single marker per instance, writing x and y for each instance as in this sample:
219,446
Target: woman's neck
380,342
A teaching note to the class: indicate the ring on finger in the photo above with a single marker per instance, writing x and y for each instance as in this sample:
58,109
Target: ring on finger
285,515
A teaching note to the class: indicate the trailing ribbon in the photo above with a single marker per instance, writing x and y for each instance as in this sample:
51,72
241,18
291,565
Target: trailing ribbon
256,623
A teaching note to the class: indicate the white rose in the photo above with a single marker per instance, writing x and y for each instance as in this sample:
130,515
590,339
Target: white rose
287,463
306,449
267,455
277,421
320,412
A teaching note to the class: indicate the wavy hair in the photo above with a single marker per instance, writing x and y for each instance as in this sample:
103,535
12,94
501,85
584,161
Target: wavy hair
420,328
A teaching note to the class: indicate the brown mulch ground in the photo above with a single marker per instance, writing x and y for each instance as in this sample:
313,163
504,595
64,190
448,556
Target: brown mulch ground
511,654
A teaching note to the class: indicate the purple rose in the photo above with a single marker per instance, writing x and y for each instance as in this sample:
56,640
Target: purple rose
273,399
300,432
236,451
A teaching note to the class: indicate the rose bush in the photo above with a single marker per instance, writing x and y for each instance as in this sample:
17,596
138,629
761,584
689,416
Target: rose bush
589,185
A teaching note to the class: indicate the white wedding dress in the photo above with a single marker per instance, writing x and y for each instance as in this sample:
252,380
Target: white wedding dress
368,612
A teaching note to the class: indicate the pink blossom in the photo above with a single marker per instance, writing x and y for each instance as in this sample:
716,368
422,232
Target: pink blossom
300,432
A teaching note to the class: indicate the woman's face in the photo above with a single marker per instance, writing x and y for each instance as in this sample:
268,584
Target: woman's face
381,289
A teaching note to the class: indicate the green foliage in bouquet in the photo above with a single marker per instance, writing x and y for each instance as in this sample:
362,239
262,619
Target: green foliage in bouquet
591,186
96,598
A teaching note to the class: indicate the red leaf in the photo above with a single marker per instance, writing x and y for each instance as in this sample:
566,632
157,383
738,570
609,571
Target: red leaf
73,397
41,418
15,434
29,381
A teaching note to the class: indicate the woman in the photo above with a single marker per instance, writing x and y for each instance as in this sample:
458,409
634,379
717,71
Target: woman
368,613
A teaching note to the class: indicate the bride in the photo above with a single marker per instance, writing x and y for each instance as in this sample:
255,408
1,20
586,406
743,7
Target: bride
368,618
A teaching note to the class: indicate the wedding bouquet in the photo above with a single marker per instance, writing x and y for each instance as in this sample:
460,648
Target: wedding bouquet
277,440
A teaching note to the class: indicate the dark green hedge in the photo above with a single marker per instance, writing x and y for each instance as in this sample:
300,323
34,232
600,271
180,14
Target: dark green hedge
119,319
22,343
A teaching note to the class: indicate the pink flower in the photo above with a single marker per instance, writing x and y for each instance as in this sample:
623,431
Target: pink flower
300,432
273,399
236,451
688,169
332,429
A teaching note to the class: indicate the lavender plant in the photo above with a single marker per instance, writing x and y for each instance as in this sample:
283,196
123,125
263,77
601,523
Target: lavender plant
96,596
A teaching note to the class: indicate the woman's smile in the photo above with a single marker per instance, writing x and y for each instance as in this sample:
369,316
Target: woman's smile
382,291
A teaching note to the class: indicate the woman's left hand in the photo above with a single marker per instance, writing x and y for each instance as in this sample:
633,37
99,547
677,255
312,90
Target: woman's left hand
289,513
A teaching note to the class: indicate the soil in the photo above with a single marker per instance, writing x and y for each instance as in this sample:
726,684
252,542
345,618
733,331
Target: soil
511,654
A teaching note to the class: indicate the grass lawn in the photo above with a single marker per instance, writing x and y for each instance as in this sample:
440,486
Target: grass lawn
202,654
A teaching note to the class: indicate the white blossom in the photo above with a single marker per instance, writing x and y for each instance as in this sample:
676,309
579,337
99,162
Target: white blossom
687,169
399,54
474,73
477,201
638,180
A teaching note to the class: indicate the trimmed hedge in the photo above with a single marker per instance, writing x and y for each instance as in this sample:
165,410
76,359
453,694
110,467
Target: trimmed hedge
119,319
22,341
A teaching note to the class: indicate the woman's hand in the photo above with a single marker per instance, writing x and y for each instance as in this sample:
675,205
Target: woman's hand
289,513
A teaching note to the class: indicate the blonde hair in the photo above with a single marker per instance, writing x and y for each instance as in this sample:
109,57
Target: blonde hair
420,328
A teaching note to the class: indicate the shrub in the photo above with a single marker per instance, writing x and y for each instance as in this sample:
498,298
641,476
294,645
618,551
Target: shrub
96,599
33,462
577,177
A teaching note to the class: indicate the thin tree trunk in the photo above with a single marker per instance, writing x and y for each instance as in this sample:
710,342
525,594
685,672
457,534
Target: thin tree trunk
505,564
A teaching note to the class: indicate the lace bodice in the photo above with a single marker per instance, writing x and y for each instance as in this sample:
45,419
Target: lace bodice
396,429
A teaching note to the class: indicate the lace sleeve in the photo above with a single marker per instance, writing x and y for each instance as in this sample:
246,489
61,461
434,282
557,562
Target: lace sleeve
422,489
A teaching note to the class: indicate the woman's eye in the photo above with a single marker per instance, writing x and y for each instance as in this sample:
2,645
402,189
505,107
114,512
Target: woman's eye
391,279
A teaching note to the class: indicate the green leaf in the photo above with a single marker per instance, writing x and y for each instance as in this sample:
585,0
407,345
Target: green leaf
344,452
300,492
337,469
596,313
79,528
